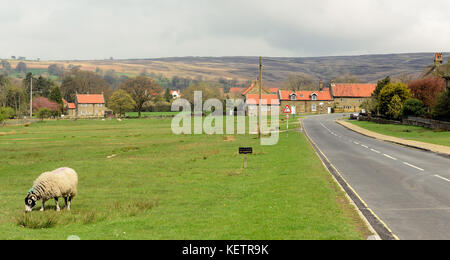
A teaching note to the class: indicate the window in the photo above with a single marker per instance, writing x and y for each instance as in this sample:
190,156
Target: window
314,108
314,96
293,97
83,112
83,105
100,105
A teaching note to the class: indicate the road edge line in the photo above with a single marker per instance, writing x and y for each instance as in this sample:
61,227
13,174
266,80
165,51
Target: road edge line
387,233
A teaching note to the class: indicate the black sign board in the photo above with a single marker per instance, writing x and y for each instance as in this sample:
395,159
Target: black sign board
245,150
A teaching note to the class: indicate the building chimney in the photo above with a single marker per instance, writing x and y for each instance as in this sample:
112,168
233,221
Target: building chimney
320,85
438,60
332,83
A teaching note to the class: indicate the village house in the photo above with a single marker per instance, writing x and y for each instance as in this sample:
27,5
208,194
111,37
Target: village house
233,93
350,97
306,101
254,89
69,108
176,94
251,96
90,105
236,90
269,101
342,97
274,90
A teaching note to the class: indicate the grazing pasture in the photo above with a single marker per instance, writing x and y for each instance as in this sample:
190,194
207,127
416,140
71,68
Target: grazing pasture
139,181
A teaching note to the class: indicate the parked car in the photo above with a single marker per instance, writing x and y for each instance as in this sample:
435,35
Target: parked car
354,116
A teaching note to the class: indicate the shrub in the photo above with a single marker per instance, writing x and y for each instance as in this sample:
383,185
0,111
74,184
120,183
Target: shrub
6,113
395,108
391,99
441,110
44,113
42,102
370,105
427,89
163,106
160,106
414,107
121,102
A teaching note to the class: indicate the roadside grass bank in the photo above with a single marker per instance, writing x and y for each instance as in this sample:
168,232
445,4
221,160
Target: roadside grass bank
414,133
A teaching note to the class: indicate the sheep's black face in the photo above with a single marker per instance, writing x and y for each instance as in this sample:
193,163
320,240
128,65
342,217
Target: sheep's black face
30,202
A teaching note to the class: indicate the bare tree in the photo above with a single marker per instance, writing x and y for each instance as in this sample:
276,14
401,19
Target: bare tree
347,78
142,89
300,81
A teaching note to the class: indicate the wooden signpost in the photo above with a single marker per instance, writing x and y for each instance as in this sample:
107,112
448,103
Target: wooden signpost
245,151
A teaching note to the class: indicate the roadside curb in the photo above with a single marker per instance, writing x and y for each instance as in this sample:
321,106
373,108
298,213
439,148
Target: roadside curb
389,139
373,222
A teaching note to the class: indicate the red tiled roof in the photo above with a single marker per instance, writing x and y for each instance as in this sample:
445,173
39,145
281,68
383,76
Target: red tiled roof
323,95
90,99
64,101
253,99
271,90
238,90
71,105
274,90
249,89
354,90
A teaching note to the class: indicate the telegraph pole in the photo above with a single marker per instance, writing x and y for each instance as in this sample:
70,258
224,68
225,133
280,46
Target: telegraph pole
260,97
31,97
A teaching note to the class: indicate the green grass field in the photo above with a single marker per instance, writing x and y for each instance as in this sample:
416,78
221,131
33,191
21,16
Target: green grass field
151,114
139,181
415,133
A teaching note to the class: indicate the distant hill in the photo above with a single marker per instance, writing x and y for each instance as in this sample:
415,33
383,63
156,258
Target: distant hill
369,68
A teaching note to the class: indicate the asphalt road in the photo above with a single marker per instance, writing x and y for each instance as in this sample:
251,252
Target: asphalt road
408,189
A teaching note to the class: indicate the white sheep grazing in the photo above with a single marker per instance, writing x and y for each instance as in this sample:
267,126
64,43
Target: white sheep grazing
59,183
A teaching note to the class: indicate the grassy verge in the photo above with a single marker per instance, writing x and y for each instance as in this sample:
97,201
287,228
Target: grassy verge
139,181
415,133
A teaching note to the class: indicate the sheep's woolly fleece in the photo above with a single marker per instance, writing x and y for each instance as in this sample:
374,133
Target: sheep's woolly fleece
62,182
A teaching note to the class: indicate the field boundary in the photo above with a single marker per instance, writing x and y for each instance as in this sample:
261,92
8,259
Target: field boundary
373,222
439,149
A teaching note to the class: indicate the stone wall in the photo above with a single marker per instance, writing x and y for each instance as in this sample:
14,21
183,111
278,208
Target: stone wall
413,121
429,123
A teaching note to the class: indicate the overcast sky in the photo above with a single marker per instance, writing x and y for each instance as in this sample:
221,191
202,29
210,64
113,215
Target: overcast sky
98,29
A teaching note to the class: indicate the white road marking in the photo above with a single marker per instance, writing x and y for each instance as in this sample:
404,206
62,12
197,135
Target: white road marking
390,157
375,151
410,165
440,177
356,143
365,146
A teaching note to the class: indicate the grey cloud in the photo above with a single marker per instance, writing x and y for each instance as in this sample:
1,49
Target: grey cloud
84,29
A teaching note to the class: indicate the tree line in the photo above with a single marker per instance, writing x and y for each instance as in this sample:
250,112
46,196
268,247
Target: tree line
424,97
122,92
